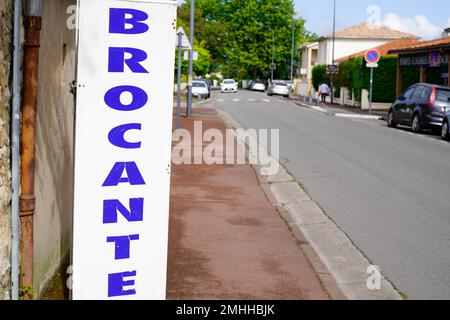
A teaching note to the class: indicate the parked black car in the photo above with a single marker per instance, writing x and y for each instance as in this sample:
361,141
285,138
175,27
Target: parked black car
445,131
421,106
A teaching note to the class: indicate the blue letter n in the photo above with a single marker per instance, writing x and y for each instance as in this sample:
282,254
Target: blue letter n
112,207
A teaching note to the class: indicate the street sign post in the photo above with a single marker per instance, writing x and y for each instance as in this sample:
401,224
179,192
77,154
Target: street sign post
372,57
332,69
273,66
180,34
123,149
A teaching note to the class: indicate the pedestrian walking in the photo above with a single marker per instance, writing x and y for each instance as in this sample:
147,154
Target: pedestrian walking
324,89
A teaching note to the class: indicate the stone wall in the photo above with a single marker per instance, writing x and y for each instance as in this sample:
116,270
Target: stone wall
5,167
54,150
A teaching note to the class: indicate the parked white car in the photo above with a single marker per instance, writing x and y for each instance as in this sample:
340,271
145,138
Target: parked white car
200,89
278,88
258,86
229,85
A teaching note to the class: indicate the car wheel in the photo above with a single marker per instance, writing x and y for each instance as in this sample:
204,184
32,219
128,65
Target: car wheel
287,96
416,125
445,134
391,121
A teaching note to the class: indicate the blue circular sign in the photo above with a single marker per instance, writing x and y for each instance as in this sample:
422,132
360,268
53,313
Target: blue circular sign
372,56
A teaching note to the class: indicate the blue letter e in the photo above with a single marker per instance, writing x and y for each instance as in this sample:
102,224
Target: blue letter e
117,282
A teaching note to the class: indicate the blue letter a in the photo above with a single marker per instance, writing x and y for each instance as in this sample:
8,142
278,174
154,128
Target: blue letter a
133,177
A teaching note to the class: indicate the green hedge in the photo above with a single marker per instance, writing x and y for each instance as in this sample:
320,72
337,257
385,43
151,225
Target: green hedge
434,75
319,75
354,75
384,79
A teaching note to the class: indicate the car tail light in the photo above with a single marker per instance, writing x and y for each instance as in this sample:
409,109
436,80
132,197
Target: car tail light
432,97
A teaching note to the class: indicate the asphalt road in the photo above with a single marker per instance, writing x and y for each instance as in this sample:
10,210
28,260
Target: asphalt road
387,189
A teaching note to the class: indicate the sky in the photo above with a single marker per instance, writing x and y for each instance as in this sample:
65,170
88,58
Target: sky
425,18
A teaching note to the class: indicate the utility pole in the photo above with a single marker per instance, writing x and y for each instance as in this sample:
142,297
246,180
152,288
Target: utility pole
191,60
293,48
334,39
273,52
180,40
273,48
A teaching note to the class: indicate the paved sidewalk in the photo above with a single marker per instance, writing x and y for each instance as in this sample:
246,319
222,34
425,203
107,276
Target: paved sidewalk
336,109
226,241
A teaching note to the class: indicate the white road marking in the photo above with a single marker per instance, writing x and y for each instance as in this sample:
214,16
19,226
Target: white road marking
236,100
356,116
266,100
319,109
220,100
251,100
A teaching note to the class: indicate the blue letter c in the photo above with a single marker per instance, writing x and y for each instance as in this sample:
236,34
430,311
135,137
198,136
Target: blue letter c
117,136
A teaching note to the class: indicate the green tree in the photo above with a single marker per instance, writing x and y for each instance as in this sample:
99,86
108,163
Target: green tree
238,34
210,28
202,65
254,25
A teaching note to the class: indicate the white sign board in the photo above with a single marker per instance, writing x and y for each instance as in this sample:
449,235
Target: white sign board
123,148
185,44
194,55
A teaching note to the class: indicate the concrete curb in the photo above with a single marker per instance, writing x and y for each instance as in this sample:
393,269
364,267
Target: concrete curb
338,114
341,267
201,103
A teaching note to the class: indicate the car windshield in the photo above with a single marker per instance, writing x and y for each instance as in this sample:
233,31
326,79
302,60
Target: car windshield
443,95
199,84
228,82
280,84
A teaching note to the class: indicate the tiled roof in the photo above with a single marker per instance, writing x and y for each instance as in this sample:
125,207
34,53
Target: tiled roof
383,49
370,31
423,46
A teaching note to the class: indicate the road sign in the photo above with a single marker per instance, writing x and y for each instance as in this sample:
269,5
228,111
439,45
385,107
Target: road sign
123,149
372,56
273,66
185,43
332,69
194,57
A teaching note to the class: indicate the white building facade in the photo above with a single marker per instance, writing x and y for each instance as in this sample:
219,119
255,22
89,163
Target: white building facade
356,39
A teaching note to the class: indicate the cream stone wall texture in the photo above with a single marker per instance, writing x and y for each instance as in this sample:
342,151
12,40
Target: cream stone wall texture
54,150
5,167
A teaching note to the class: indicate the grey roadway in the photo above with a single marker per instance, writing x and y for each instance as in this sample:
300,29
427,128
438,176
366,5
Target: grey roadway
387,189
